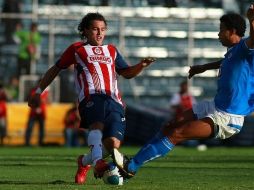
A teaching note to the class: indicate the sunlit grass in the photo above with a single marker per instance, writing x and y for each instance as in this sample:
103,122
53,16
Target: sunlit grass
184,168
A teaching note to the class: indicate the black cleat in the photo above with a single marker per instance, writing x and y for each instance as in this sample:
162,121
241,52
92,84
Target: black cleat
122,162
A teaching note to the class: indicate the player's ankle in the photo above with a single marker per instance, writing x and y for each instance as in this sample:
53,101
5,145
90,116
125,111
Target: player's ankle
131,167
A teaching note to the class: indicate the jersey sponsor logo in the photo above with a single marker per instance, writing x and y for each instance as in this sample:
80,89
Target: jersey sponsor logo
99,58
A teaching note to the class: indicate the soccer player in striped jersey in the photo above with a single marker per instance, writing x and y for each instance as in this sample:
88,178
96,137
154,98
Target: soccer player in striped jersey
100,104
220,118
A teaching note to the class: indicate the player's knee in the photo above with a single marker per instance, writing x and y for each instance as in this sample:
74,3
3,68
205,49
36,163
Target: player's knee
96,125
168,127
176,136
111,143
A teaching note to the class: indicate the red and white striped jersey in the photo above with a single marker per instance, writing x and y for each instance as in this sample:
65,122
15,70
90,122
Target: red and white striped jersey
95,69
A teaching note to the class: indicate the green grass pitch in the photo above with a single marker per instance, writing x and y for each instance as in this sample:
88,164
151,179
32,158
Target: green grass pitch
184,168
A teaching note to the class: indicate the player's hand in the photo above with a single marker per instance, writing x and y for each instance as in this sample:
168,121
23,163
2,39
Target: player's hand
34,100
196,69
250,12
147,61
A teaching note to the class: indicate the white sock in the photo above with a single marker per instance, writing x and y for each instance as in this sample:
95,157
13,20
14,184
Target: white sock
95,144
87,159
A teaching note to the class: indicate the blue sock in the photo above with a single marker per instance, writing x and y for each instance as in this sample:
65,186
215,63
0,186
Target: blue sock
157,148
155,138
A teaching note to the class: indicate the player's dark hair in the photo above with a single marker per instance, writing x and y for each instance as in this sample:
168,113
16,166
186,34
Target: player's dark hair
234,21
87,21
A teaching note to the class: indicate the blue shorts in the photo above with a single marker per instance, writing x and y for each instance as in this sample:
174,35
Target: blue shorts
102,108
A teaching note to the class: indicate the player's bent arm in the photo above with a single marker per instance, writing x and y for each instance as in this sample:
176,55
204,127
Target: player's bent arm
49,76
133,71
250,15
212,65
197,69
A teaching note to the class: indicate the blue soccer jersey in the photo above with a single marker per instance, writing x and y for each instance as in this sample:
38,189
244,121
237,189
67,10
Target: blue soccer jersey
235,92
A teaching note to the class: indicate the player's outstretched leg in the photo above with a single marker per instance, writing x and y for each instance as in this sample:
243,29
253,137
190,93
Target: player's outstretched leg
123,161
155,149
82,171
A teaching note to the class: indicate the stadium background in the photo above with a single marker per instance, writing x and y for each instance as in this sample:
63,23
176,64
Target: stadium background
178,33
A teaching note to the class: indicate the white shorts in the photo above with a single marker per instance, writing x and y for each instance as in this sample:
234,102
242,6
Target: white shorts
225,124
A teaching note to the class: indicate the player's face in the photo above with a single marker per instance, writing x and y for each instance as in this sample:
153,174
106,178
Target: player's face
96,33
224,35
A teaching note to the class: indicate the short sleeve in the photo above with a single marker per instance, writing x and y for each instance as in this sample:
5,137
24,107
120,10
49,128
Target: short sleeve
120,62
67,58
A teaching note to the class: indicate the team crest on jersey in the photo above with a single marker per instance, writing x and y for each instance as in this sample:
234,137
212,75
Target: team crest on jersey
97,50
230,55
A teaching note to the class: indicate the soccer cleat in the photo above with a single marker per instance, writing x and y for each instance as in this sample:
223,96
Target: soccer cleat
122,162
100,167
81,174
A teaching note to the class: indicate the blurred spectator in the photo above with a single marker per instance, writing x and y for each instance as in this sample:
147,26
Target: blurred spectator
37,114
10,6
12,89
72,132
3,114
29,48
181,101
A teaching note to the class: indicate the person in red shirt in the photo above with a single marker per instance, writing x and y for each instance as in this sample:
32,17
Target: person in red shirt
72,133
3,114
37,114
181,101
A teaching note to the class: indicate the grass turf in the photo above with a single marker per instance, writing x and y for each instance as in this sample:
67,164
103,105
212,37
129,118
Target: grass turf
184,168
